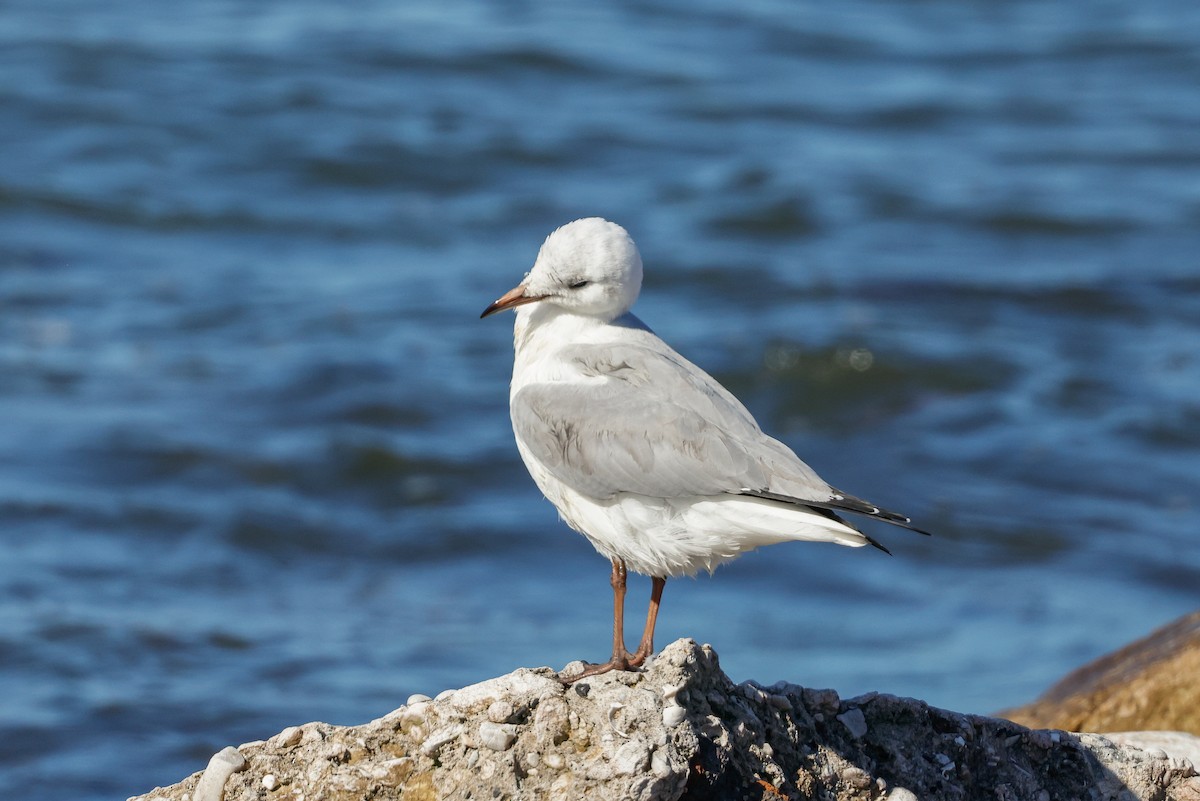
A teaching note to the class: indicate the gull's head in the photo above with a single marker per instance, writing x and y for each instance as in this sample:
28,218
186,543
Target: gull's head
589,267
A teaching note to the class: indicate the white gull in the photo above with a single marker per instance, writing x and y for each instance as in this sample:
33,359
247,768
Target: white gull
645,454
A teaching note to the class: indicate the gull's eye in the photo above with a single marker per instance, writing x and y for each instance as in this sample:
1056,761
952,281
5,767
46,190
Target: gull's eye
578,285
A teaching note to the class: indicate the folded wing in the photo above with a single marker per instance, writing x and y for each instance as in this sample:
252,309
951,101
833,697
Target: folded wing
643,419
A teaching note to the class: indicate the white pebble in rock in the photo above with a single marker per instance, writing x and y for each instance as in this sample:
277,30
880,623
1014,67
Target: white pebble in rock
224,764
414,714
497,736
444,695
270,782
439,738
673,715
416,698
902,794
288,737
500,711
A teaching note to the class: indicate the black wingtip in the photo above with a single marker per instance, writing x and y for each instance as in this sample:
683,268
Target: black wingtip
906,523
876,543
842,502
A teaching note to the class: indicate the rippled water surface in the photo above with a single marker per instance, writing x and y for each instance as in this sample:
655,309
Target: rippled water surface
255,461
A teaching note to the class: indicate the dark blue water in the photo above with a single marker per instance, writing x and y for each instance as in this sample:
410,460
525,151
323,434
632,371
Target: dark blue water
255,460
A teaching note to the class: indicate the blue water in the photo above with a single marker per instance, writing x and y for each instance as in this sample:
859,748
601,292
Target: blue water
255,461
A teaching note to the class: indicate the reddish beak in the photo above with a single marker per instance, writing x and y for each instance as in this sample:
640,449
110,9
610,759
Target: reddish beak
510,300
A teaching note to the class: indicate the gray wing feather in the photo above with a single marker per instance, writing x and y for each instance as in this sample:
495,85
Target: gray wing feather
646,420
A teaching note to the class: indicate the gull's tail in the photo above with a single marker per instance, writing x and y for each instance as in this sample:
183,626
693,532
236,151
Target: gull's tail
754,522
841,502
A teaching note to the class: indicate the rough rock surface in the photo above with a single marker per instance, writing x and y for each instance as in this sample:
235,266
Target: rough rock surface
682,729
1153,683
1178,744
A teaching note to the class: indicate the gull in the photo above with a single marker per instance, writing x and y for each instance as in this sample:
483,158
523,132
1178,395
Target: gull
660,467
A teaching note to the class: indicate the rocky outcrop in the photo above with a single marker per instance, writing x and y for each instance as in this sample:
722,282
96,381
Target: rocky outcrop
1153,683
682,729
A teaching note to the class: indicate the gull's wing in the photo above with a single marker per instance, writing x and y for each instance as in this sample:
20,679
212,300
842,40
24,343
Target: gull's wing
640,418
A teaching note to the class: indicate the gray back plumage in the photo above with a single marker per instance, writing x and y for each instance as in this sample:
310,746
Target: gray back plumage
641,418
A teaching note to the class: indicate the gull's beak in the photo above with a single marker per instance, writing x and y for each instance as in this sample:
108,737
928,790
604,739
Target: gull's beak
510,300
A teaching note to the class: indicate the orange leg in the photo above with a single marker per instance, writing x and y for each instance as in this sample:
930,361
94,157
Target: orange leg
646,646
620,657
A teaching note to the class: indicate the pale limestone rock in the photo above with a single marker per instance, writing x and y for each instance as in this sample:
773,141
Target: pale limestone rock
606,738
1177,744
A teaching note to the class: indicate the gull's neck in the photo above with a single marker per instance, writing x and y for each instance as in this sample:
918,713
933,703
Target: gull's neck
540,336
540,324
547,321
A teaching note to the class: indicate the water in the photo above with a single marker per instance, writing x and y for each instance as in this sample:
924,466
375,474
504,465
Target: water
255,462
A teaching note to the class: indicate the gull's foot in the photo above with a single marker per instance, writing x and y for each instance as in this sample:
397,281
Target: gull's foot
637,658
615,663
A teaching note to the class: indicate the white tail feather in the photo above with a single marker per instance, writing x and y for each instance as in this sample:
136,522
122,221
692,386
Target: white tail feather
756,522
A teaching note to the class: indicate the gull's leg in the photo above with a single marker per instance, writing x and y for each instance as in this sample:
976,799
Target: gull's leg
619,576
646,647
620,657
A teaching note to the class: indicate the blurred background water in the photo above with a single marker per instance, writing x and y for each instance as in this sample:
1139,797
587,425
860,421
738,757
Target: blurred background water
255,460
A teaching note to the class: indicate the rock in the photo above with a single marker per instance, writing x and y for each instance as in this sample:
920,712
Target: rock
439,738
211,785
1176,744
288,737
855,722
525,735
1151,684
673,715
497,736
